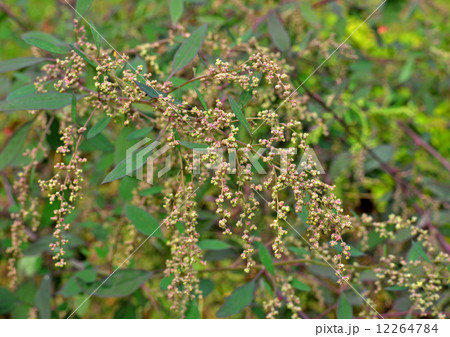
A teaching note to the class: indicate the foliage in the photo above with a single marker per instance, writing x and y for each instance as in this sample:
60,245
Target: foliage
83,234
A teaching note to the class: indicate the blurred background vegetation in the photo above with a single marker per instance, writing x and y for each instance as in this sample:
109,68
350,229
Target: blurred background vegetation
392,99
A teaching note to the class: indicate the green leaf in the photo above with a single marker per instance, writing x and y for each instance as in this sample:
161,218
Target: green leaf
219,255
416,252
122,283
24,91
191,145
396,288
126,311
355,252
176,10
120,170
152,93
14,146
83,6
99,127
73,108
41,101
144,222
7,301
18,63
46,42
299,251
344,309
239,114
134,63
43,297
189,49
150,191
300,285
206,286
238,300
266,259
71,287
247,35
26,292
95,35
83,56
201,99
137,134
407,70
211,244
166,282
308,13
340,165
192,311
245,97
87,275
126,187
42,245
279,35
267,286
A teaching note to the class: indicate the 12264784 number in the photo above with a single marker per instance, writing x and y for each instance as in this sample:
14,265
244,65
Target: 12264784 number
407,328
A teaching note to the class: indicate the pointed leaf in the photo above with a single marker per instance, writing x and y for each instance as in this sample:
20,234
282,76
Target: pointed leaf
238,300
344,309
41,101
137,134
300,285
266,259
416,252
191,145
279,35
176,10
14,146
83,6
122,283
99,127
46,42
166,282
95,35
150,191
73,108
213,244
201,99
308,13
7,302
192,311
189,49
206,286
43,297
143,221
24,91
239,114
152,93
355,252
18,63
83,56
245,97
120,170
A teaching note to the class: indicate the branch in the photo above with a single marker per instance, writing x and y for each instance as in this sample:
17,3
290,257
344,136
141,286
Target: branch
420,142
4,8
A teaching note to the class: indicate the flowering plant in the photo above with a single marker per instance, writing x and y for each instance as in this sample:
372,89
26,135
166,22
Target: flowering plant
183,176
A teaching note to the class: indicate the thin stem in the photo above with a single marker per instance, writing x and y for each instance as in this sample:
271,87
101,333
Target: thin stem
420,142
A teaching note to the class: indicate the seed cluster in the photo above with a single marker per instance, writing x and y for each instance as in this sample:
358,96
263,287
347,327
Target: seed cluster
258,195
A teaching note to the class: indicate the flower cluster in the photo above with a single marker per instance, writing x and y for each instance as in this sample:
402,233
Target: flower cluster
420,273
64,188
259,196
